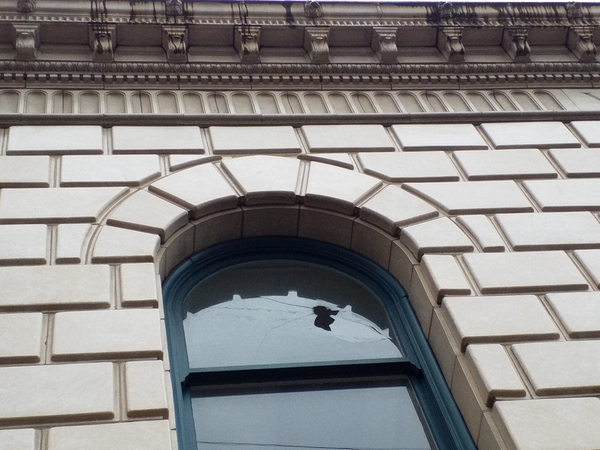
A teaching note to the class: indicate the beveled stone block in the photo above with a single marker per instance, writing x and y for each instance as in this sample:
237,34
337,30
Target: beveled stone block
145,389
347,138
18,439
254,140
445,276
590,260
579,312
530,135
484,232
167,139
435,236
589,131
401,167
565,195
24,171
53,140
123,245
114,170
23,244
439,137
21,337
582,163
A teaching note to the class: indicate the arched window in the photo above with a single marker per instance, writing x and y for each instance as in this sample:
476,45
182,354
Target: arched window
286,343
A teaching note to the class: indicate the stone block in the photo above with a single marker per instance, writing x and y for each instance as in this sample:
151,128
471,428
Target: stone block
565,195
443,345
149,213
579,312
489,435
114,170
435,236
157,140
422,299
55,287
493,319
138,285
392,208
254,140
561,368
588,131
444,276
590,259
476,197
337,189
23,244
550,231
270,221
371,243
505,165
465,393
107,334
530,135
19,439
494,372
581,163
347,138
179,247
342,160
200,189
484,232
69,242
178,162
325,226
217,228
544,424
122,245
402,264
21,338
145,389
400,167
439,137
146,435
24,171
56,393
64,205
54,140
525,272
265,179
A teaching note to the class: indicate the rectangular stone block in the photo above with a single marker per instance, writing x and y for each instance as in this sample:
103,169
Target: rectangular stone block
145,389
107,334
64,205
21,337
147,435
55,287
444,276
24,171
19,439
561,368
590,259
530,135
58,392
23,244
54,140
543,271
565,195
116,245
138,285
254,140
581,163
484,232
114,170
589,131
347,138
400,167
435,236
69,242
579,312
493,319
439,137
167,139
325,226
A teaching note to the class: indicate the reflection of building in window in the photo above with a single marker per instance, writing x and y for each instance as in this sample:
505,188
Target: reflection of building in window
286,348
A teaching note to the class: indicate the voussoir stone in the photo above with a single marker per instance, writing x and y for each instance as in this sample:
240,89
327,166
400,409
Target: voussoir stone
149,213
484,232
439,137
435,236
473,197
62,205
24,171
265,179
445,276
530,135
200,189
253,140
401,167
62,139
114,170
157,140
347,138
124,245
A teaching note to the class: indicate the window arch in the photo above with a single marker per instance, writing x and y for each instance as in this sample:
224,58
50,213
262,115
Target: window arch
315,328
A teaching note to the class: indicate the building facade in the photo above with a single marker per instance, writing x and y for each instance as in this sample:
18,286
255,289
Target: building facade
453,145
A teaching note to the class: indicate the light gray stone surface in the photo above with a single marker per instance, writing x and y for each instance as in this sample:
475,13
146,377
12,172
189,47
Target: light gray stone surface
337,159
146,391
588,131
484,232
401,167
19,439
114,170
530,135
69,242
505,165
123,245
178,162
583,163
52,140
24,171
252,140
565,195
21,338
435,236
139,285
347,138
164,139
445,276
439,137
23,244
590,260
579,312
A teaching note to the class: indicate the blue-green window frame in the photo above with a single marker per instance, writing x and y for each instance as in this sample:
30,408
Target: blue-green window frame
435,400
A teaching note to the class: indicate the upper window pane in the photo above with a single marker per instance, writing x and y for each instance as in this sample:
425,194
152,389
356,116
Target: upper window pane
279,312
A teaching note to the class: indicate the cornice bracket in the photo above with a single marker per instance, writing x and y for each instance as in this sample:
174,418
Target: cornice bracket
581,43
313,9
449,43
514,43
247,43
102,40
383,43
316,43
27,41
25,6
175,43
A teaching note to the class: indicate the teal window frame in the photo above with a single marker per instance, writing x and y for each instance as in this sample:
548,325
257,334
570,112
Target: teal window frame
435,400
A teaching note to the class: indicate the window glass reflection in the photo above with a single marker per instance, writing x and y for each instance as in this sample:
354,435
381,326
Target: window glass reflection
284,312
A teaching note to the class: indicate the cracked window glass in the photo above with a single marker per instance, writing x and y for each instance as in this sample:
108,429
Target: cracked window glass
278,312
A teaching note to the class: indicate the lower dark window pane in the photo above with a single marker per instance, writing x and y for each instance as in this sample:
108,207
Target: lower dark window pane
353,418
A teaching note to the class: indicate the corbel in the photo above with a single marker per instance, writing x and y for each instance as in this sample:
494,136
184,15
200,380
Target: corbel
27,41
316,43
102,39
449,43
514,43
175,43
25,6
580,41
383,43
247,43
